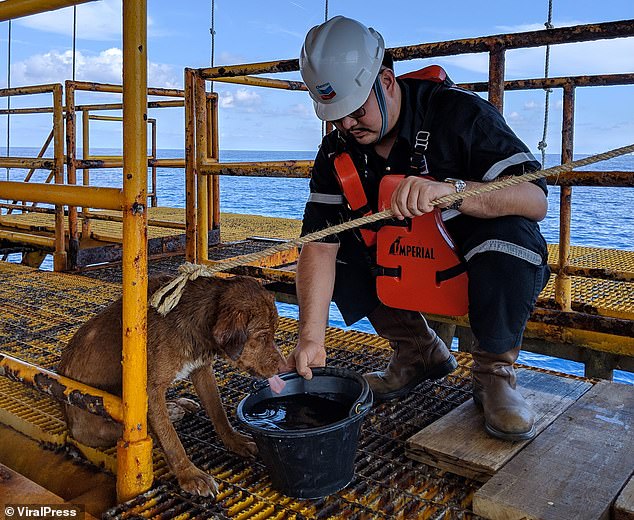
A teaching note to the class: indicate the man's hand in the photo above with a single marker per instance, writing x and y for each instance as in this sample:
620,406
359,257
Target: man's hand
305,355
413,196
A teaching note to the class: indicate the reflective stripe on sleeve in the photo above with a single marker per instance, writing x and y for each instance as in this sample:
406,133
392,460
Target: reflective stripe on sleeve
502,246
448,214
502,165
325,198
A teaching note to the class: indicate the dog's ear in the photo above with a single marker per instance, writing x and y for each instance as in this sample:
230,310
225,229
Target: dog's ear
230,332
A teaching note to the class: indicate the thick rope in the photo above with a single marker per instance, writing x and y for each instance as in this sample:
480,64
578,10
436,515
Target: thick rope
166,298
543,144
212,32
74,39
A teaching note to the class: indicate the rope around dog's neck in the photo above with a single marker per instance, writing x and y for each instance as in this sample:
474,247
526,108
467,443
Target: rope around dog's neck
168,296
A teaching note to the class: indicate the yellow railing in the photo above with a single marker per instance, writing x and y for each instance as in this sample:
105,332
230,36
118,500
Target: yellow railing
134,451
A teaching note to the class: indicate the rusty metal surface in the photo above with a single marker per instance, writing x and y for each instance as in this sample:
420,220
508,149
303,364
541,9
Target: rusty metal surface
577,33
598,80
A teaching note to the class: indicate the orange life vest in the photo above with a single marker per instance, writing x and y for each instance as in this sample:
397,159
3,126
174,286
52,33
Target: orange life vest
418,265
419,268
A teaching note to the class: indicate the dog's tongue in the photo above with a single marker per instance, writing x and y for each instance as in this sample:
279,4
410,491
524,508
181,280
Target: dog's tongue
277,384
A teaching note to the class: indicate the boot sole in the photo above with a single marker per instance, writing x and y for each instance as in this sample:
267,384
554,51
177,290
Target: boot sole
505,436
438,372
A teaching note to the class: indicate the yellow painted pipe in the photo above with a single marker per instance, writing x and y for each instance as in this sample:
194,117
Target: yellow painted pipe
59,257
134,450
114,89
56,385
190,167
102,198
11,9
259,169
202,202
110,162
27,162
248,69
255,81
28,239
27,89
106,118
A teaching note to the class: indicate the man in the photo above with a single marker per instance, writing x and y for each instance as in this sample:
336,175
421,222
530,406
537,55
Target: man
377,118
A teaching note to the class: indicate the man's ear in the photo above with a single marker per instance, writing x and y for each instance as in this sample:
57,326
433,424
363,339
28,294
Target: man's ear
230,332
388,79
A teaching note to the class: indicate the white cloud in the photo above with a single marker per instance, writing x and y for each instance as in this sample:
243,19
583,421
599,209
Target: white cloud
302,111
531,105
106,67
242,98
514,116
97,21
229,58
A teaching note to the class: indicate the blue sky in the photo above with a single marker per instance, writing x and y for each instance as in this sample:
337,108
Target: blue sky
250,31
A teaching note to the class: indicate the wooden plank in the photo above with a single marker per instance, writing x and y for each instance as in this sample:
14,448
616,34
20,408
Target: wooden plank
624,506
574,469
17,489
458,442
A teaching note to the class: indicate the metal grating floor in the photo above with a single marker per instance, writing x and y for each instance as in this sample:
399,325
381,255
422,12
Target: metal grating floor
41,310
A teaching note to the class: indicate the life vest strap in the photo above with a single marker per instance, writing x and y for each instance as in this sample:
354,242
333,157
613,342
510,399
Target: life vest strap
451,272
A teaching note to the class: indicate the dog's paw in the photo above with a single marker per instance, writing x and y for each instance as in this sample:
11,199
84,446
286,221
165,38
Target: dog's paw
242,445
178,408
197,482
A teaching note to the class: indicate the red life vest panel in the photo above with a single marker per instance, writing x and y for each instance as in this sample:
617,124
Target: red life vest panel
353,191
419,267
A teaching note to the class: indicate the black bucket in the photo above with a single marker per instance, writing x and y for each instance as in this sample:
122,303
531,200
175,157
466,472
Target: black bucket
312,462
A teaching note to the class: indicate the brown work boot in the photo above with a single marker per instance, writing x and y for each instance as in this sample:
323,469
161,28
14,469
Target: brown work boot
419,354
506,414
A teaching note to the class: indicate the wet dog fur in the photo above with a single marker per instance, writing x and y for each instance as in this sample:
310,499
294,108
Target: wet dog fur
234,318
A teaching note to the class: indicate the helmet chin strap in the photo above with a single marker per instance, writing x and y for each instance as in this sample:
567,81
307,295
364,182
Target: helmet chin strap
377,87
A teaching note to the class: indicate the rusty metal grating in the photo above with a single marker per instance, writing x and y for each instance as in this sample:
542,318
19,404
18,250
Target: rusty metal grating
386,485
595,258
592,296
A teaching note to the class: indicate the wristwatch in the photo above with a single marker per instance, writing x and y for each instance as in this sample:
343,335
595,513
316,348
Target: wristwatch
460,186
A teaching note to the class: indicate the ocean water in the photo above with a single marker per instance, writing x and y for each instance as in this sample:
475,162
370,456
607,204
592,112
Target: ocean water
601,217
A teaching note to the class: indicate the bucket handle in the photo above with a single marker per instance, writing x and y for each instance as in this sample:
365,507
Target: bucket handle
362,404
359,408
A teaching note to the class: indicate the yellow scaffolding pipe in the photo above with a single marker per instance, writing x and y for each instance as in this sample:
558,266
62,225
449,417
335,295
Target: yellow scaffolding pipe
255,81
60,256
299,169
101,106
95,197
28,239
10,9
41,378
24,162
202,224
134,450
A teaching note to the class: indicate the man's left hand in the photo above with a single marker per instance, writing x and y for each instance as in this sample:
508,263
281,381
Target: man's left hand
413,196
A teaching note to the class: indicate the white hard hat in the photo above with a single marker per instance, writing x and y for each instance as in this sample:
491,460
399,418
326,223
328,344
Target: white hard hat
339,62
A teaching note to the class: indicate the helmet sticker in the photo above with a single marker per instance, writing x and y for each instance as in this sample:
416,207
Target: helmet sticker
326,91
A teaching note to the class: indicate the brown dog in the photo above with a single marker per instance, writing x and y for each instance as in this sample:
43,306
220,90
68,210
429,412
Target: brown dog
234,318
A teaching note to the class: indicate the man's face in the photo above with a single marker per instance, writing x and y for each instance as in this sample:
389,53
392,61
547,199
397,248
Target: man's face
364,124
